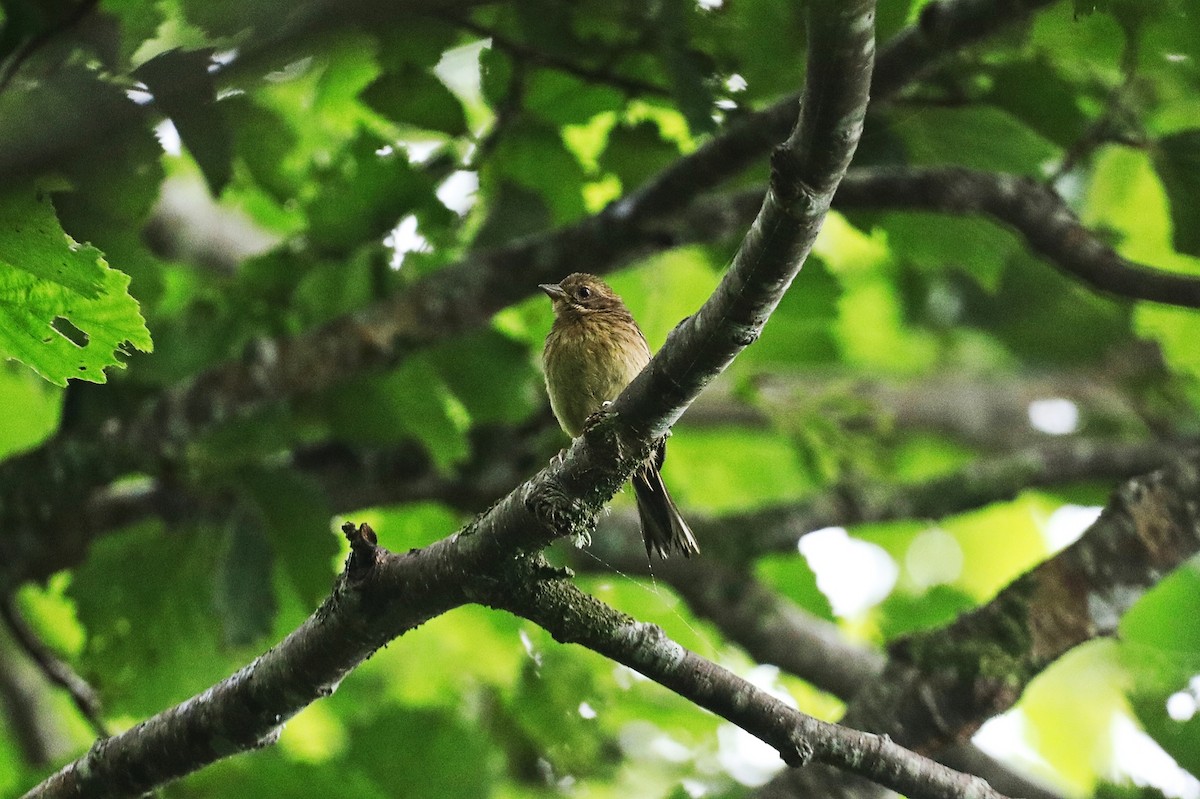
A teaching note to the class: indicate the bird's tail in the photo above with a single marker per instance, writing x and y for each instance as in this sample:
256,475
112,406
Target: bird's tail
663,529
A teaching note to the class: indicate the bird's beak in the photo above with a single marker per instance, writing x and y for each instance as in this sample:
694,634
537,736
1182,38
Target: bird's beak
553,291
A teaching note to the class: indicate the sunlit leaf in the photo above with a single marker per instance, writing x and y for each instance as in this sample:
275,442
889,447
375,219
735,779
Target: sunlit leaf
415,97
63,311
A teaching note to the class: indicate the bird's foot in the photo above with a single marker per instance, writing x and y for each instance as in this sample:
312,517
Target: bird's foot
597,416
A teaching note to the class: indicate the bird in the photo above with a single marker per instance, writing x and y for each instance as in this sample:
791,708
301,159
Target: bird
593,350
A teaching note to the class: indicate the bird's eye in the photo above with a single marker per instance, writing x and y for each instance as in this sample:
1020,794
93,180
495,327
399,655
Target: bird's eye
584,292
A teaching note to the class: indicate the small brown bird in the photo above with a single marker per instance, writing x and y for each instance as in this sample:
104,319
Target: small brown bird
593,351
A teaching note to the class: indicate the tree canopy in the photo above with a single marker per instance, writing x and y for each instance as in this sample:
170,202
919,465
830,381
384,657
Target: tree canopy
283,507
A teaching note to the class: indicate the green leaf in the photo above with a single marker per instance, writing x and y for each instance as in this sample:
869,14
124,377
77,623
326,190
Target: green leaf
687,68
414,524
184,89
145,599
1041,293
934,243
636,152
107,203
364,195
332,288
270,772
264,138
512,211
1052,110
534,156
412,402
491,375
792,577
229,18
442,753
28,19
1175,331
71,107
495,75
32,409
980,137
901,612
1164,617
1084,8
563,99
802,329
296,518
32,240
763,42
420,41
1160,648
63,311
243,593
1180,739
139,22
718,469
1069,711
1177,160
415,97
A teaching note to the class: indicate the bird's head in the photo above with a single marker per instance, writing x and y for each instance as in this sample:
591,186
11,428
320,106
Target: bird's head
580,294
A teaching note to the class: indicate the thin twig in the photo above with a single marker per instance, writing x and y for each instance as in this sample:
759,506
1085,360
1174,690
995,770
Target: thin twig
633,86
54,668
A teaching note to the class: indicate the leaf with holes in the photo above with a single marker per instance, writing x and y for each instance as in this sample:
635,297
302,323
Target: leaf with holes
64,311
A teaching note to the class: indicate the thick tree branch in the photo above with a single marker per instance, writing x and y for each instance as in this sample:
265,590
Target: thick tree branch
1032,209
939,686
989,411
381,595
976,485
1035,211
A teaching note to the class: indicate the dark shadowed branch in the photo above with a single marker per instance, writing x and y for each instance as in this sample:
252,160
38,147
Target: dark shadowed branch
351,479
1033,210
939,686
52,667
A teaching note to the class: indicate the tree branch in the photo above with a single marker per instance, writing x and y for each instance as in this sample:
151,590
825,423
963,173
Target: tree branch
354,479
1030,208
604,77
572,616
939,686
381,595
54,668
29,721
1035,211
